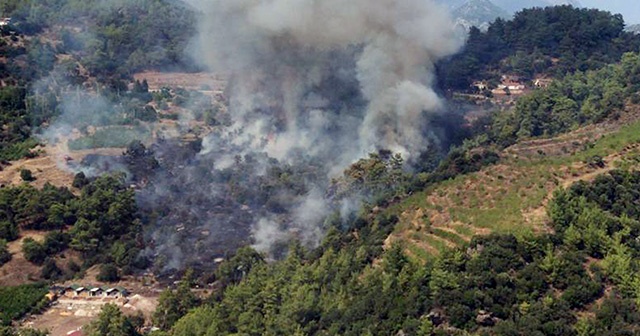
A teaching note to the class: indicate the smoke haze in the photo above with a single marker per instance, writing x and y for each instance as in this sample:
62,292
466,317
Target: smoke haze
313,85
328,80
280,53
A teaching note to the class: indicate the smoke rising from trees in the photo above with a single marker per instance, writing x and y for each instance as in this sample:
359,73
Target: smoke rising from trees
313,85
285,57
332,80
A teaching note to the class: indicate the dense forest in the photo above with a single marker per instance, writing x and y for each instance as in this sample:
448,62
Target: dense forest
551,41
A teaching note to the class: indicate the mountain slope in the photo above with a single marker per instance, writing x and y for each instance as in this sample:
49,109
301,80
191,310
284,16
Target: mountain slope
514,6
478,13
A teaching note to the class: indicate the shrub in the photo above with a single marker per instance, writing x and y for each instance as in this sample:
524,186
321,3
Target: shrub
50,271
33,251
26,175
108,273
5,255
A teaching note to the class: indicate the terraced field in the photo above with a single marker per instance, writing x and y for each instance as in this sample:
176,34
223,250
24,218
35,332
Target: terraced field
509,197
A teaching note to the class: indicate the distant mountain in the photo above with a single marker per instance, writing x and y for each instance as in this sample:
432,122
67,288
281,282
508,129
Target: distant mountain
514,6
481,13
478,13
633,28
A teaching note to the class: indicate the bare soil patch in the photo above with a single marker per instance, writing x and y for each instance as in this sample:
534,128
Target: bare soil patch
200,81
18,270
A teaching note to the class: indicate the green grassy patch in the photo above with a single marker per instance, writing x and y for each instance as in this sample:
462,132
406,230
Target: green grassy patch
464,230
18,150
436,243
497,202
117,136
450,236
420,254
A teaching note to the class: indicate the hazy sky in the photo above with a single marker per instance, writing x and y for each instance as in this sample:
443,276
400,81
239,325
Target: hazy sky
630,9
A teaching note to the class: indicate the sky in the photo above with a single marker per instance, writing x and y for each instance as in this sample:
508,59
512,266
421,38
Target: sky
630,9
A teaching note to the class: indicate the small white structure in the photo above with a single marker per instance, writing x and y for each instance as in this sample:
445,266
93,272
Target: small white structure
95,292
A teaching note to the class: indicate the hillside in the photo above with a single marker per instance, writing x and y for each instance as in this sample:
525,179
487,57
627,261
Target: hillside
480,13
514,6
511,196
507,47
321,183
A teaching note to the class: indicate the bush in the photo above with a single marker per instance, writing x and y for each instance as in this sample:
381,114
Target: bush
8,230
26,175
55,242
5,255
80,180
33,251
51,271
108,273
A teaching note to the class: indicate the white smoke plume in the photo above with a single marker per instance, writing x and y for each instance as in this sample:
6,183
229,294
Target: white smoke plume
278,51
293,66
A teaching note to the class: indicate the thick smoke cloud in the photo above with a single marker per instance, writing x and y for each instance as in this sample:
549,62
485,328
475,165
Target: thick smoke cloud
328,79
279,52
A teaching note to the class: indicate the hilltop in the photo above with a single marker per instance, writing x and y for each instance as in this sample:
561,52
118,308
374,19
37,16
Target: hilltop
480,13
633,28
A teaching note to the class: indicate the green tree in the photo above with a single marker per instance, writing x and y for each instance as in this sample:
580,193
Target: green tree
108,273
80,180
172,305
26,175
111,322
5,255
50,270
33,251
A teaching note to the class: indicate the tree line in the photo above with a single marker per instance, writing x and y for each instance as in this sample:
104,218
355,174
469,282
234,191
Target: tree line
550,41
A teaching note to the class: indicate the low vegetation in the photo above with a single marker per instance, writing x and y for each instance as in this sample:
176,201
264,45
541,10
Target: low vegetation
110,137
17,301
